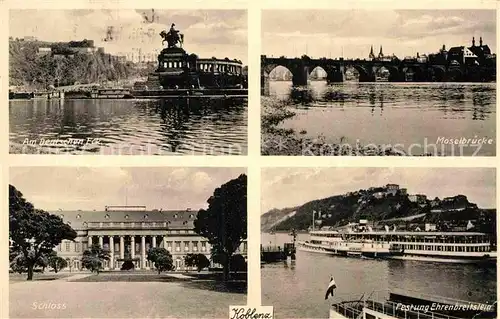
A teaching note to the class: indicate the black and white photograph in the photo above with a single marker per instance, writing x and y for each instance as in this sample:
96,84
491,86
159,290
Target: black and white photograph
128,82
378,82
391,243
134,242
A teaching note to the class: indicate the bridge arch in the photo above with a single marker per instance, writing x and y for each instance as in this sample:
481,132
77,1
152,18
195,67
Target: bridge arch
285,73
413,73
437,73
386,73
365,74
318,72
454,75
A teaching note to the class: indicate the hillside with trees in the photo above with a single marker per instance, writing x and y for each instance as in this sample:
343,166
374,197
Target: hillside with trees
28,68
380,209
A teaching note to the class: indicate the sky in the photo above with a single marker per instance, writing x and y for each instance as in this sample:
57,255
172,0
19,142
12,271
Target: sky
289,187
73,188
207,33
328,33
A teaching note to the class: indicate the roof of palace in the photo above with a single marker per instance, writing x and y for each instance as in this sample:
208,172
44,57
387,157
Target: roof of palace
172,217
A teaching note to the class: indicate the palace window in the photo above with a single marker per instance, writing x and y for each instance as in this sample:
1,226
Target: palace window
67,246
177,246
203,246
195,246
77,247
169,246
186,246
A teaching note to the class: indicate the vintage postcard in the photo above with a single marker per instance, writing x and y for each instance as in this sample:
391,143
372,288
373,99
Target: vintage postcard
379,82
127,242
195,198
379,242
128,82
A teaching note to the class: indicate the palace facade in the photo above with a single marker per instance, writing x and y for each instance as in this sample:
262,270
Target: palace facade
128,232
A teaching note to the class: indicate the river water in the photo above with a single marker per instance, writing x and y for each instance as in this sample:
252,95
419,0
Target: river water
297,289
198,126
413,117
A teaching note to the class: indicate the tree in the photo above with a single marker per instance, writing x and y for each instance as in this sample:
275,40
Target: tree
238,263
56,262
127,265
94,258
224,223
199,261
19,264
34,232
161,259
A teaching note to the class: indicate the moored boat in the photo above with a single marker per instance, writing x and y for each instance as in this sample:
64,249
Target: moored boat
437,246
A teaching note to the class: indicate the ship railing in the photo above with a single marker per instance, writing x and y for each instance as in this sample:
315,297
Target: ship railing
396,310
440,299
351,306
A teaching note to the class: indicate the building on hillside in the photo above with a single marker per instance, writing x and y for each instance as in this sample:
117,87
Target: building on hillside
392,188
430,227
29,38
128,232
83,50
403,191
44,51
379,195
417,198
435,202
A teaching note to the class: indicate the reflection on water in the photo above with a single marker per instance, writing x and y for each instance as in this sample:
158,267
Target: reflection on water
394,113
297,289
167,126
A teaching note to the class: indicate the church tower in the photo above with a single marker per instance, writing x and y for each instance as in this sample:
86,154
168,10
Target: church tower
381,54
371,55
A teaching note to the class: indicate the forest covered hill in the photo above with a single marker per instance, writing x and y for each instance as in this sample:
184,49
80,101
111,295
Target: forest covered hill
381,207
29,68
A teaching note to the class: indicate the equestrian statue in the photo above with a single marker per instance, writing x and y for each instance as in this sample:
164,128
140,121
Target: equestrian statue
173,37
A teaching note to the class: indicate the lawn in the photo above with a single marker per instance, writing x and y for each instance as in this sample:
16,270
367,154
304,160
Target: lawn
125,295
38,276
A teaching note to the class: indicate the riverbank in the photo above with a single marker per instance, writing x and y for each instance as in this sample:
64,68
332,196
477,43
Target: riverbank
279,141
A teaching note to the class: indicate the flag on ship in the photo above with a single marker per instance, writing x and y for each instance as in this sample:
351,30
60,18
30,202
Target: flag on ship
331,288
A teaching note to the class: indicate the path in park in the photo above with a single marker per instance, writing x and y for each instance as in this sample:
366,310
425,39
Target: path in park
75,277
69,299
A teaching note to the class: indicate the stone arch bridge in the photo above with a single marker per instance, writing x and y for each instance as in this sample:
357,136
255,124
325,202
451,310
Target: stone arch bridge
367,69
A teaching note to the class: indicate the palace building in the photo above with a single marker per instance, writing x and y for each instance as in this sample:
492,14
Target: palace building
128,232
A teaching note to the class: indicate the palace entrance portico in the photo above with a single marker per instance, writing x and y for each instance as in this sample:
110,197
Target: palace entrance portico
128,246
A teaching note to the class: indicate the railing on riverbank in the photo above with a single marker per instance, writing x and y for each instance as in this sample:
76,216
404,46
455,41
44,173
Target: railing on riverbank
122,93
273,253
